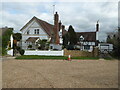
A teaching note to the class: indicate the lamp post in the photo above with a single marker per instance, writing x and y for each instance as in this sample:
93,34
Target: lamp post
81,42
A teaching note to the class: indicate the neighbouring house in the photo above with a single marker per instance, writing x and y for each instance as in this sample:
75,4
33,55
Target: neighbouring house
88,40
38,29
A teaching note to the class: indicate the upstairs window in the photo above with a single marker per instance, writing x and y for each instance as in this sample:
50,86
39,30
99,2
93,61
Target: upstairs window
36,31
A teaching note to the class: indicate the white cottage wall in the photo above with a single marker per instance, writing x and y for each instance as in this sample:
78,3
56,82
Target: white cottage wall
31,27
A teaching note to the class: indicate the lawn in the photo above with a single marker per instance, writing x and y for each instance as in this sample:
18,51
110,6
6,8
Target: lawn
52,57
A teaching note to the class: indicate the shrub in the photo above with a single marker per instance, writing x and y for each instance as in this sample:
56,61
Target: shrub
70,47
21,51
30,46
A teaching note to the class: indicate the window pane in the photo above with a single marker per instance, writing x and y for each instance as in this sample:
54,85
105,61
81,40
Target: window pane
86,47
37,31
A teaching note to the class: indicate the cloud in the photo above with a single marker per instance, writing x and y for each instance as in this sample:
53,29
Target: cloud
81,15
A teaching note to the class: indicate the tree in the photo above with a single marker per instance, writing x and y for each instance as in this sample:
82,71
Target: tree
72,36
115,40
6,38
65,40
17,36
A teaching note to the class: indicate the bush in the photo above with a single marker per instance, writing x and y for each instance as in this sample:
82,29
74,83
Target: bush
21,51
70,47
30,46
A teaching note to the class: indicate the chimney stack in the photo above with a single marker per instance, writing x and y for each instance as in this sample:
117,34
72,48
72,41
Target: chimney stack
97,29
56,18
97,26
56,28
63,28
60,25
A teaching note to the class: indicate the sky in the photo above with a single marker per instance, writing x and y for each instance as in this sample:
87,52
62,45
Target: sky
82,16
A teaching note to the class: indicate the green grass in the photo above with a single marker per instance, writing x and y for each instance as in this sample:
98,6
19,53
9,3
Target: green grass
40,57
52,57
94,58
108,58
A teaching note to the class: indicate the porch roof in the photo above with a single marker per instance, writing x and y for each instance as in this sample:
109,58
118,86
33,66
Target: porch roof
32,39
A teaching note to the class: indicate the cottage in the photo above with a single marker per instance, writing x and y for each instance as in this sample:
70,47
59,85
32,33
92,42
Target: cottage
88,40
38,29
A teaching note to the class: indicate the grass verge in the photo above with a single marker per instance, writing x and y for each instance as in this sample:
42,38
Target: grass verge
52,57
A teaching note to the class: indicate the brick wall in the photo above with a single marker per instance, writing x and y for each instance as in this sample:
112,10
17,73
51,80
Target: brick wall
75,53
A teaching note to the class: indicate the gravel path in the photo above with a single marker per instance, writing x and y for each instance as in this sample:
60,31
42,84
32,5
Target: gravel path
59,74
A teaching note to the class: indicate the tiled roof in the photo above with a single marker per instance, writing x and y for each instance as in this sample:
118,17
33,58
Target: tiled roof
32,39
88,36
46,26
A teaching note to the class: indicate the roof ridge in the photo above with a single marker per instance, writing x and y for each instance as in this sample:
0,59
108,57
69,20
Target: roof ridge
44,21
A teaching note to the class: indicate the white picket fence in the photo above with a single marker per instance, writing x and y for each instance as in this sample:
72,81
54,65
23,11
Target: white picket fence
40,52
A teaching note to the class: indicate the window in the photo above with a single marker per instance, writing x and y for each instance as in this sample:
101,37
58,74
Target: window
51,47
27,32
36,31
87,47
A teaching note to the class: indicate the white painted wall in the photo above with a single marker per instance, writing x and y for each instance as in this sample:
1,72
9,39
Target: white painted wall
31,27
89,43
97,35
55,46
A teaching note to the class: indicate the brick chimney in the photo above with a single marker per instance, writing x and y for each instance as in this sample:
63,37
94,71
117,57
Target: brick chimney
63,28
60,25
56,28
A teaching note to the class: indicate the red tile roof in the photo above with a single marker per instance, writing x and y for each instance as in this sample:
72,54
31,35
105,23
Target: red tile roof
46,26
32,39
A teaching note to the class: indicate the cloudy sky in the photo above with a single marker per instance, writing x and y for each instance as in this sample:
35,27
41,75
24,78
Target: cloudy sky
81,15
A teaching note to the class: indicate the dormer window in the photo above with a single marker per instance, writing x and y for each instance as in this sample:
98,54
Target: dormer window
81,38
36,31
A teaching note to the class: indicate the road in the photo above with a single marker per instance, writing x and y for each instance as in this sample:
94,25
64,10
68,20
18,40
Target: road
59,73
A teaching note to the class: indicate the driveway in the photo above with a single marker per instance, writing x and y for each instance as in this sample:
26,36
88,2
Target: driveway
59,73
